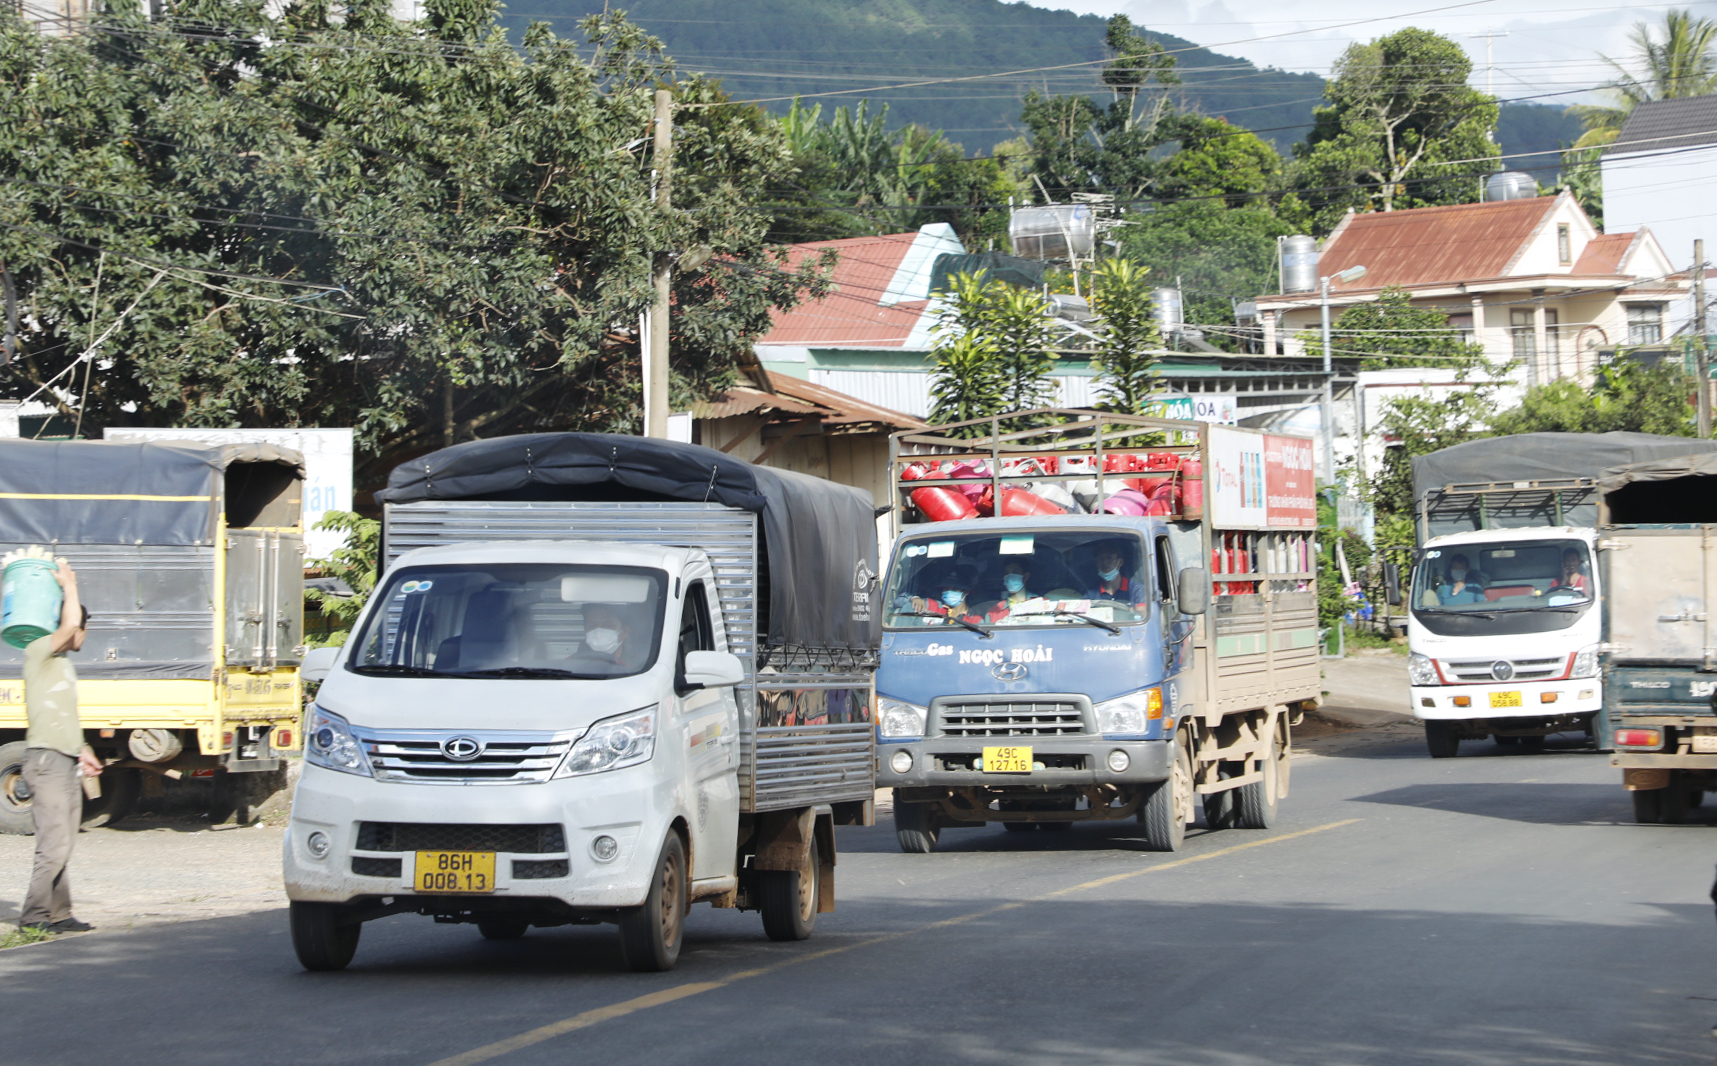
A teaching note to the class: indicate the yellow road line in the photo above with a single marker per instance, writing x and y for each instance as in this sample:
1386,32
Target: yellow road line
678,992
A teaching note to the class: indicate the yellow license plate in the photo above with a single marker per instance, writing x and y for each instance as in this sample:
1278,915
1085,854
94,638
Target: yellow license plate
465,872
1505,699
1007,760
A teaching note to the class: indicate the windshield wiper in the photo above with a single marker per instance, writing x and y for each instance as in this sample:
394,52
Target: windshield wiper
979,630
527,671
1093,621
391,670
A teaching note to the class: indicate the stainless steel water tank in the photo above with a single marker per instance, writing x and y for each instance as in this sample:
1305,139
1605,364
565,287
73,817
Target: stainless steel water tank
1510,185
1165,306
1299,264
1059,231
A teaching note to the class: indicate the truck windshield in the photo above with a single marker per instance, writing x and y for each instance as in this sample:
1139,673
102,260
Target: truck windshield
514,620
1019,579
1482,581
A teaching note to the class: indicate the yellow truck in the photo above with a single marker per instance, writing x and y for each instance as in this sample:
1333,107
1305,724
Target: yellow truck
190,559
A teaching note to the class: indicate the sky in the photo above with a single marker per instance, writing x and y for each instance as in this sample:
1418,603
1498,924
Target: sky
1550,52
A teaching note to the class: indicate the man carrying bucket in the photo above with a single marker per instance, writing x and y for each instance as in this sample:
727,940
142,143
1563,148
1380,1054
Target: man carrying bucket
54,757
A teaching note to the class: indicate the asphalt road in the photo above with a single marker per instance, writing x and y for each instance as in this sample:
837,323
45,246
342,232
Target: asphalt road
1496,908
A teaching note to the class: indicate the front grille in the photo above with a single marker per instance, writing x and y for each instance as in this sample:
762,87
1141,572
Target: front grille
426,836
1039,718
539,869
1479,671
509,758
364,866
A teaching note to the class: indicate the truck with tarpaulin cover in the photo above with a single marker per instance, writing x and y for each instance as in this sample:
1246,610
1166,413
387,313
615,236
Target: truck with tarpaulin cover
190,562
1503,627
1131,633
601,678
1658,539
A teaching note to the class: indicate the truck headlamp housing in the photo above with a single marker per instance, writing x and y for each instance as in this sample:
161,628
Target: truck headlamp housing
1129,715
1585,662
623,740
330,742
899,720
1421,670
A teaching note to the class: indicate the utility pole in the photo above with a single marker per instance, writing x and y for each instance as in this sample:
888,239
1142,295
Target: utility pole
1490,37
1701,362
656,337
1328,405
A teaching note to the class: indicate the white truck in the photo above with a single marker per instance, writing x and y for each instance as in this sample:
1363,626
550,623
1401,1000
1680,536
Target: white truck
1503,628
601,678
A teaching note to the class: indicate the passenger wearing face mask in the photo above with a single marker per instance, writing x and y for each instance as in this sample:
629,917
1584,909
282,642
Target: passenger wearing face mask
1016,576
1463,583
1111,583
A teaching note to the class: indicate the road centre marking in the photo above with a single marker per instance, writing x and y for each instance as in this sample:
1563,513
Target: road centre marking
669,995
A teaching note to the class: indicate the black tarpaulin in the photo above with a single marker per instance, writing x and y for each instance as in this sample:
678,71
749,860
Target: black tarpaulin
819,537
1024,273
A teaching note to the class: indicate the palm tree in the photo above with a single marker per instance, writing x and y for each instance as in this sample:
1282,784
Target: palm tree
1682,62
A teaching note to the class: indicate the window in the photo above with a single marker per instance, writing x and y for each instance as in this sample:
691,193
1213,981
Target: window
1525,338
1552,326
1165,571
1645,323
1564,245
696,631
1462,321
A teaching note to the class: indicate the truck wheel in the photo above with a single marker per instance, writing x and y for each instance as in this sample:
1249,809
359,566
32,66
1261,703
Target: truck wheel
1673,805
787,899
1019,827
1257,803
1503,741
1442,739
1055,827
915,827
119,792
321,940
1648,805
503,929
1168,808
1532,743
15,816
650,935
1219,808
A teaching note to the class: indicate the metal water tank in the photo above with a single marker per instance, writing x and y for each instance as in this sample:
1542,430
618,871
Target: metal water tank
1166,308
1510,185
1059,231
1299,263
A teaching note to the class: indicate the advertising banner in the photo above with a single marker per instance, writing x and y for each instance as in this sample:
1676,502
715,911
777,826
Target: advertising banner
1260,481
1203,407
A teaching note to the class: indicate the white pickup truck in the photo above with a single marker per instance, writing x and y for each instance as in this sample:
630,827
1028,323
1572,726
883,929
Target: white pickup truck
560,710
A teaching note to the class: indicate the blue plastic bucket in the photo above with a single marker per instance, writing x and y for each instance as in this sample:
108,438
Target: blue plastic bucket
30,601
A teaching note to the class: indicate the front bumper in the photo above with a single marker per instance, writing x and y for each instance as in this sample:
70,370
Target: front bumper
1580,695
946,762
629,805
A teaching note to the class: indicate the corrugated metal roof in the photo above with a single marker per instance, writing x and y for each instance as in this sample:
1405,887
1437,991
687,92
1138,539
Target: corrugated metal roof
795,397
1433,245
1603,254
853,315
1686,122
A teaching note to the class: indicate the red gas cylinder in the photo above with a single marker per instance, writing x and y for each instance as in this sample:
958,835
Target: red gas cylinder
1162,461
943,504
1192,488
1017,503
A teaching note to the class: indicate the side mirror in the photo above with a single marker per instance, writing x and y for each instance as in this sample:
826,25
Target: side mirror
1194,590
713,669
1392,584
317,663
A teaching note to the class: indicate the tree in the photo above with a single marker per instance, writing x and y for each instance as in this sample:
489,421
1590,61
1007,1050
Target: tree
1391,332
418,230
355,562
1216,160
1678,60
1398,107
1624,395
1125,353
992,351
1420,425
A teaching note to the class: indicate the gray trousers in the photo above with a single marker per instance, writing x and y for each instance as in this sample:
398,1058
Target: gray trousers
56,804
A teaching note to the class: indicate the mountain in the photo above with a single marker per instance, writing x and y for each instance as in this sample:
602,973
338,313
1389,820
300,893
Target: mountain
770,50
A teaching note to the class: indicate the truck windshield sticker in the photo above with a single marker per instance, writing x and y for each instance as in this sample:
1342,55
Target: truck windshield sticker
1017,545
913,551
417,586
942,549
604,588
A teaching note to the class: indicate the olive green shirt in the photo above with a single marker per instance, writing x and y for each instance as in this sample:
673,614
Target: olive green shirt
51,699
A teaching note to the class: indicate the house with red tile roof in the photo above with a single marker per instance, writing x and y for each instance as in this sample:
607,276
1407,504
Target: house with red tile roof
1532,280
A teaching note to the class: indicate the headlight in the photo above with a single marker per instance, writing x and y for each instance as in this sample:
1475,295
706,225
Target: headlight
329,742
1586,662
900,719
1131,714
1421,670
624,740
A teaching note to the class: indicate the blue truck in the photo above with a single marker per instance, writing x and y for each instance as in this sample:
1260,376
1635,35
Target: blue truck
1134,635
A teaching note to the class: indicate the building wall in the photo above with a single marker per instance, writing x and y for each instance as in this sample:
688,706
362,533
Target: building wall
1673,193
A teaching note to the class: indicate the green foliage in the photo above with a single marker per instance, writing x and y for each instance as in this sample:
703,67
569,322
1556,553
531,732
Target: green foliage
1422,425
1624,396
418,230
1218,160
1679,59
355,563
1125,353
992,353
1391,332
1585,179
1398,106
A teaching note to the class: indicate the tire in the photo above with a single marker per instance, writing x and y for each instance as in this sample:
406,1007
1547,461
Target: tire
1504,742
1532,744
1258,803
1019,827
320,939
222,802
650,935
503,929
1648,806
1695,798
1673,806
1442,739
15,818
787,899
915,827
1055,827
1219,808
1168,808
119,792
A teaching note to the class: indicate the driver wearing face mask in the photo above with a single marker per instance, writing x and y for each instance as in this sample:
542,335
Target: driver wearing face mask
953,596
605,634
1016,577
1111,583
